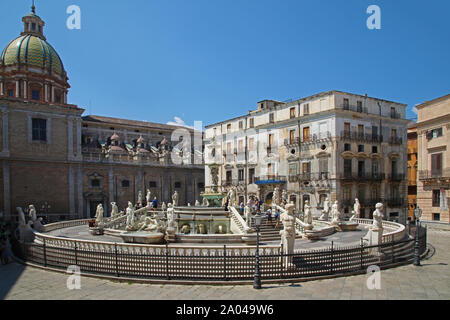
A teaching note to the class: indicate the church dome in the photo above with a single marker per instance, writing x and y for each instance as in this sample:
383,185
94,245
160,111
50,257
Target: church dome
34,53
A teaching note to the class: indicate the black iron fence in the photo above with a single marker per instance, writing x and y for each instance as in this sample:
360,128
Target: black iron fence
222,264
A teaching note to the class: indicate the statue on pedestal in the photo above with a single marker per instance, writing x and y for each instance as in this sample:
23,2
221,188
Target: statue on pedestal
308,216
378,217
171,216
139,202
148,197
197,203
114,210
205,202
326,210
356,209
99,215
232,197
335,214
247,214
275,197
32,212
175,199
288,233
130,217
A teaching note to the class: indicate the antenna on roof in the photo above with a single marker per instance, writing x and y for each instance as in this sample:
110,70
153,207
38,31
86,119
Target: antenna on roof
33,8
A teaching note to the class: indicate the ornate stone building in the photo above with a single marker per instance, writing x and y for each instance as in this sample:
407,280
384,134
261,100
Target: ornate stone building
333,144
412,169
65,164
433,136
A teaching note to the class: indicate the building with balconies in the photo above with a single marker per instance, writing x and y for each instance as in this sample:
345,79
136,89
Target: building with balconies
333,144
433,136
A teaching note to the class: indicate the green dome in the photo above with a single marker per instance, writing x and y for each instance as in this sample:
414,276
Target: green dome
32,51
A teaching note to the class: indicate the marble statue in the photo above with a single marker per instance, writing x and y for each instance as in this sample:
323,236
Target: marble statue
326,210
149,224
335,214
175,199
308,216
205,202
378,216
32,212
220,229
139,202
247,214
38,226
28,232
130,217
197,203
186,229
288,233
275,196
202,229
171,216
189,204
21,215
356,209
99,215
114,210
148,197
232,197
163,207
284,196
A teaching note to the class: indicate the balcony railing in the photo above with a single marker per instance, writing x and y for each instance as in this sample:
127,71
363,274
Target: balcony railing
434,174
353,108
364,137
362,176
395,140
395,115
316,137
396,177
313,176
291,142
270,178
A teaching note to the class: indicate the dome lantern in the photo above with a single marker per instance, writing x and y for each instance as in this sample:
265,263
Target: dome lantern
33,24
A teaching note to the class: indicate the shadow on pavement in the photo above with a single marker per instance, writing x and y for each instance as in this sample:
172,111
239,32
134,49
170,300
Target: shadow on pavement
8,277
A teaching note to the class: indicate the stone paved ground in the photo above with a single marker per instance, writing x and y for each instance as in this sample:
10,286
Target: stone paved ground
431,281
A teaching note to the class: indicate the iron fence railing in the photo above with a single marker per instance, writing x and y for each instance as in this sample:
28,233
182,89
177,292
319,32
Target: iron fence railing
434,174
224,264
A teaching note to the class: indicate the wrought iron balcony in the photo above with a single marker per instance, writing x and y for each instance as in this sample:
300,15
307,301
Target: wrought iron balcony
368,176
363,137
396,177
395,115
270,179
310,176
316,137
292,142
353,108
434,174
395,140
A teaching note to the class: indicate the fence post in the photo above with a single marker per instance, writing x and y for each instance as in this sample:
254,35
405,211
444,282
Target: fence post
76,256
45,254
282,261
362,253
224,262
167,262
116,258
332,256
392,249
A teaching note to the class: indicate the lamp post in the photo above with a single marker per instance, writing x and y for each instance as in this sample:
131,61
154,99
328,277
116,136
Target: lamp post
418,215
257,219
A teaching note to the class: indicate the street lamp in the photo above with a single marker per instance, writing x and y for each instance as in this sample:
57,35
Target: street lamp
257,219
418,215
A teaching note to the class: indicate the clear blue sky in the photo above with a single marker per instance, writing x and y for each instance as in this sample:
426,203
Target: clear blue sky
212,60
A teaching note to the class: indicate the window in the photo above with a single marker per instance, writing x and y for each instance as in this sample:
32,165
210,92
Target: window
347,127
241,125
291,136
270,140
10,93
306,134
374,149
360,148
375,168
251,144
306,109
361,168
394,133
252,122
272,117
346,104
306,166
177,185
436,164
347,167
323,167
292,112
359,106
201,185
33,26
292,169
229,148
360,130
35,95
347,193
228,127
241,146
251,175
95,183
392,112
125,183
436,217
436,133
241,174
347,147
436,198
270,169
39,129
152,184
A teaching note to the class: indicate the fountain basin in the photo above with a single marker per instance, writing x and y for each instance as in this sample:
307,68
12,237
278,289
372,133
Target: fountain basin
142,237
346,226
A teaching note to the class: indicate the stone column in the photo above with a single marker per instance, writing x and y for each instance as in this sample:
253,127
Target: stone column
71,192
78,123
2,88
70,138
5,132
53,94
6,190
46,92
111,184
25,89
80,191
17,88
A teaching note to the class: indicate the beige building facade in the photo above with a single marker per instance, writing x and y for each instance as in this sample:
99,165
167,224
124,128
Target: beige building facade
433,185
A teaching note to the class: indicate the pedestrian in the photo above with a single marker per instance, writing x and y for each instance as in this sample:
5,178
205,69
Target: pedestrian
155,203
269,216
241,208
277,218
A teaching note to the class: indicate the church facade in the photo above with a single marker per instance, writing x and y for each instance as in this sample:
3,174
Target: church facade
66,163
